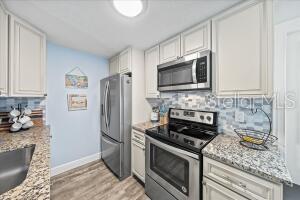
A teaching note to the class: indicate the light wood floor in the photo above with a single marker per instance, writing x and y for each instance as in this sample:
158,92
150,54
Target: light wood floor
92,182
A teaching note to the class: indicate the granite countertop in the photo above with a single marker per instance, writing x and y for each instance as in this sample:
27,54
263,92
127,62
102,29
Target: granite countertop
265,164
37,183
145,125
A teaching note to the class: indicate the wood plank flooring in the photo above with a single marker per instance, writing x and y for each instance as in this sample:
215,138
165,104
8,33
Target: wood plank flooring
92,182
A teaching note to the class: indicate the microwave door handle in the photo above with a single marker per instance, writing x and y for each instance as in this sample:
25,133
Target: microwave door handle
194,71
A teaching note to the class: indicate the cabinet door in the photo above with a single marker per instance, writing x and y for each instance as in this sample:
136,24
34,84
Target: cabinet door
241,42
151,62
196,39
125,61
170,49
215,191
114,65
27,59
138,160
3,52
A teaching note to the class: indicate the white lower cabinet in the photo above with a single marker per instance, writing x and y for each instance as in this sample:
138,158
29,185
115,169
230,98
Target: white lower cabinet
223,180
215,191
138,154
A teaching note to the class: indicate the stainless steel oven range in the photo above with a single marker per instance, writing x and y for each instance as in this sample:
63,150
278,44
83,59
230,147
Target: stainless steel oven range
173,155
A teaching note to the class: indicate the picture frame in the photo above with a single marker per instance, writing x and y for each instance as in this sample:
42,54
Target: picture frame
77,102
76,79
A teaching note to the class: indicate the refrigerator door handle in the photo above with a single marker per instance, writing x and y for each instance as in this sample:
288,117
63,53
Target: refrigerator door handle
105,104
109,104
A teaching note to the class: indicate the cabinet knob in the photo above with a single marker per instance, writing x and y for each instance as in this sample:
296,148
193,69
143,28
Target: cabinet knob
203,183
45,95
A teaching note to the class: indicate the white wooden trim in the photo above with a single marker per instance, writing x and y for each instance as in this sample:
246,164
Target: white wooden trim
73,164
281,32
280,76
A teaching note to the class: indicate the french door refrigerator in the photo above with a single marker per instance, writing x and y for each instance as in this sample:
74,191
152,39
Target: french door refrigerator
116,124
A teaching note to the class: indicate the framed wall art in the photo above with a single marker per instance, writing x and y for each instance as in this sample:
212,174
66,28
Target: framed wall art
77,102
76,79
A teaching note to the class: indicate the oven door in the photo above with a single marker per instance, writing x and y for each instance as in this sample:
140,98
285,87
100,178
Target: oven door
176,170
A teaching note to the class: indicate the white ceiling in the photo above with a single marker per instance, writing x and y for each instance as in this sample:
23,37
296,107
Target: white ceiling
94,26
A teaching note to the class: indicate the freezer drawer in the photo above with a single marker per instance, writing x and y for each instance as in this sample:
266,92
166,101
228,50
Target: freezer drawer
112,154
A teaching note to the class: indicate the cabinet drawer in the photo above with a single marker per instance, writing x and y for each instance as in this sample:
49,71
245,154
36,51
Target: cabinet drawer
241,182
215,191
138,137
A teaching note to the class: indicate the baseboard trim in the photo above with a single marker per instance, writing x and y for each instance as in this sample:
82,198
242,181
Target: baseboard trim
73,164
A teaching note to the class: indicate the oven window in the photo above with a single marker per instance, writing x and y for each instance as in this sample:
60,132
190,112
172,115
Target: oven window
176,75
172,168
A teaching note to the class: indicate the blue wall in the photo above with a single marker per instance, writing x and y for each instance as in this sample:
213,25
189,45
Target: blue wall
75,133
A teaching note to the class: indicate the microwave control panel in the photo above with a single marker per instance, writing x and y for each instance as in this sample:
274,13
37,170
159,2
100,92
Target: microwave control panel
201,70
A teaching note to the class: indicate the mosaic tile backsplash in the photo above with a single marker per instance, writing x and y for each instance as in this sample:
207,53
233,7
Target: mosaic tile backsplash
33,103
225,107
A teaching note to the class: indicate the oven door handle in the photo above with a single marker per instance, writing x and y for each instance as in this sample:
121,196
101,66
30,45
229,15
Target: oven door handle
172,149
194,71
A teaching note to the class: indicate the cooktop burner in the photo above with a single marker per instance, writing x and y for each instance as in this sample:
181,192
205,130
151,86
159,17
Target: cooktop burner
189,129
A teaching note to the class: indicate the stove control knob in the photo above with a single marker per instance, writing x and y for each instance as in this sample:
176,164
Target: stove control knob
208,118
201,117
177,136
177,114
172,113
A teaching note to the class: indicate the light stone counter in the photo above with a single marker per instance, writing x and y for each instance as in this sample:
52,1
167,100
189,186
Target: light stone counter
265,164
37,183
145,125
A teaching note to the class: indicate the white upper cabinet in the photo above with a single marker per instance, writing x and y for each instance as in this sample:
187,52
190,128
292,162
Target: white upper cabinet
170,49
3,52
114,65
196,39
125,61
242,49
27,70
151,62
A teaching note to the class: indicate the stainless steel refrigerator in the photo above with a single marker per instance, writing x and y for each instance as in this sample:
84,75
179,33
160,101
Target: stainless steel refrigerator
116,124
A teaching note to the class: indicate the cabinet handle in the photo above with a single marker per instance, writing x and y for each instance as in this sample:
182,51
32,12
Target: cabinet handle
45,95
242,185
227,178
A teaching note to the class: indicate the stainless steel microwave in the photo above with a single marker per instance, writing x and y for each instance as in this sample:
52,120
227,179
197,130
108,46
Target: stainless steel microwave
191,72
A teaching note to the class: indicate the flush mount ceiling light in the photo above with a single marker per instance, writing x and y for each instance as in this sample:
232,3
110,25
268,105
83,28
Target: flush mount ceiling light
129,8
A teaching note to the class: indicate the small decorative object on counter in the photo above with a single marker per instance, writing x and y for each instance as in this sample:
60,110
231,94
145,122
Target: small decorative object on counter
155,114
163,114
20,118
254,139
